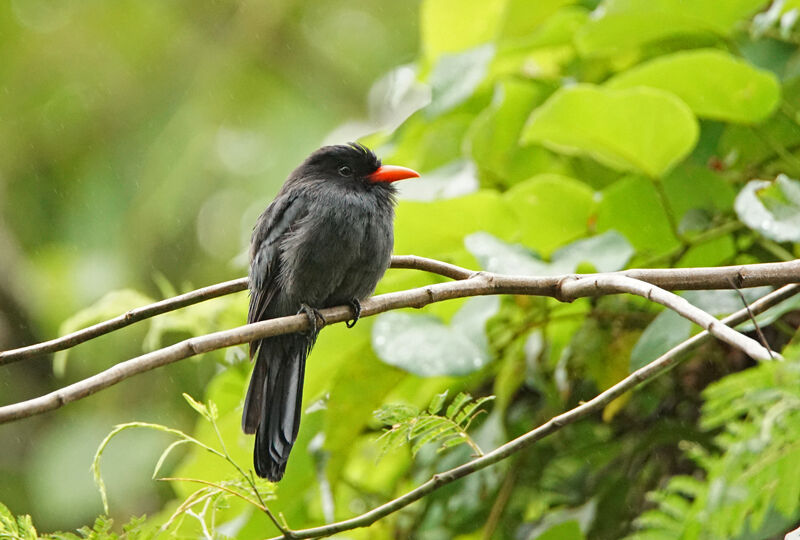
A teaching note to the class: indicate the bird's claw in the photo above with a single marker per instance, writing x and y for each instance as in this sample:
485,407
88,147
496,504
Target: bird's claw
313,314
356,305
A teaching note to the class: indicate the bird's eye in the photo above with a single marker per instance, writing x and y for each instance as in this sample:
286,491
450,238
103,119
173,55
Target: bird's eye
345,170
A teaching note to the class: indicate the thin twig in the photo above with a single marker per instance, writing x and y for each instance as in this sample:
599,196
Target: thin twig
753,320
216,486
744,276
640,376
501,500
567,288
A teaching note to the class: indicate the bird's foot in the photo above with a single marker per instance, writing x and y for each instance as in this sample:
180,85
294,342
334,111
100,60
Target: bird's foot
356,306
313,314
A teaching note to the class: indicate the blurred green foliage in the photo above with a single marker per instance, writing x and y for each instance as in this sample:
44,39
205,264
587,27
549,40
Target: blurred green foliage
553,136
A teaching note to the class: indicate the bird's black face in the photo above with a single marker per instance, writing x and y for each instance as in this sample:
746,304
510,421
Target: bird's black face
352,162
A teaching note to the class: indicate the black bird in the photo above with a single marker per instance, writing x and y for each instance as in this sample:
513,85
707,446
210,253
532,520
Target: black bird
324,241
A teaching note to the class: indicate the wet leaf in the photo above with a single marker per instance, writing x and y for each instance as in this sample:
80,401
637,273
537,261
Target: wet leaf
426,346
771,208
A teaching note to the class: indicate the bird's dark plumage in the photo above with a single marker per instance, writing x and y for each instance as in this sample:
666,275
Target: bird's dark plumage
324,241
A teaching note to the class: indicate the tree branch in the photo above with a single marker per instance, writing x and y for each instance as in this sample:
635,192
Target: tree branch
607,283
642,375
194,297
725,277
566,288
126,319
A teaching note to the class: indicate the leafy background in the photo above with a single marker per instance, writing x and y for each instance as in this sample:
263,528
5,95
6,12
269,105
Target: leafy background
141,140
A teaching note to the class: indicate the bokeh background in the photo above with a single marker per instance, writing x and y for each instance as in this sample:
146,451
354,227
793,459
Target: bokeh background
140,140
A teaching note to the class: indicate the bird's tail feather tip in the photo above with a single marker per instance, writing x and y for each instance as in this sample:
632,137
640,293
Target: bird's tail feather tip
270,470
273,404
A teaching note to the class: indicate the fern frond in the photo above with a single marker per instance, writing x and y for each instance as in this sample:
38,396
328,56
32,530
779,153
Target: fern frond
407,424
751,483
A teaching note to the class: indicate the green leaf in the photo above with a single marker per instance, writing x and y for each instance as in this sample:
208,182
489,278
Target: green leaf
456,76
751,146
609,125
394,413
197,406
566,522
692,187
437,403
747,487
421,429
26,529
771,208
623,24
425,346
631,206
606,252
456,25
713,83
422,439
493,138
457,178
458,402
563,531
551,210
357,389
772,314
724,302
499,257
524,19
487,210
665,332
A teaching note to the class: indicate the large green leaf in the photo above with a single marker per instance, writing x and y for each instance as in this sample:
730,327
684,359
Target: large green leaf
435,229
551,210
606,252
771,208
623,24
524,19
358,388
456,76
493,138
665,332
632,207
456,25
692,187
426,346
713,83
639,129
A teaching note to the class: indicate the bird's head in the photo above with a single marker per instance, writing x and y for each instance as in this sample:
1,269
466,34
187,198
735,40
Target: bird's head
351,162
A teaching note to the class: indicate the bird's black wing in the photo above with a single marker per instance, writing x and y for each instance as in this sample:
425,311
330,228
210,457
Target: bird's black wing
272,225
265,268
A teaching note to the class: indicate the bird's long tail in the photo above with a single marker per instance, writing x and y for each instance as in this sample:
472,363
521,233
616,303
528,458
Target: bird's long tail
272,407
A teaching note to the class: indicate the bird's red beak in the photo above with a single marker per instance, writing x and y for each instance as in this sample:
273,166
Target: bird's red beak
392,173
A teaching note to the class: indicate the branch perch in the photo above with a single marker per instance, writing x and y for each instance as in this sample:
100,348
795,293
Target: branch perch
564,288
723,277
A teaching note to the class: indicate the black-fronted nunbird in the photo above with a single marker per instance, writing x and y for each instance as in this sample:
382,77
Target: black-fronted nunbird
324,241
